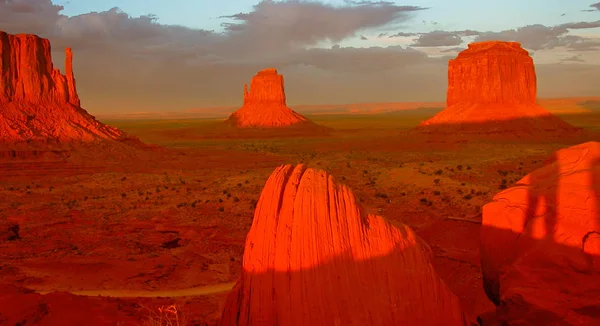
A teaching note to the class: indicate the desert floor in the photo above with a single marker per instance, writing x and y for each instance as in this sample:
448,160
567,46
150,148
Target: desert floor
173,233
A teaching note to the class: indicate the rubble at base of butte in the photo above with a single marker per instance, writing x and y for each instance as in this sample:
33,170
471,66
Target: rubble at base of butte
265,104
314,257
492,89
38,103
540,243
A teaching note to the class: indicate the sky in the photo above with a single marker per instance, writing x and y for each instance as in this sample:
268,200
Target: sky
157,55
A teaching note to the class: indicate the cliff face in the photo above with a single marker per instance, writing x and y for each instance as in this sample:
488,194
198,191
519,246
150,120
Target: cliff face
314,257
492,90
267,88
492,72
540,243
265,105
27,73
37,102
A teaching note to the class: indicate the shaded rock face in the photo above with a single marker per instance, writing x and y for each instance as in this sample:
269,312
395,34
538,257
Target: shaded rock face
540,243
264,104
492,89
27,74
313,257
37,102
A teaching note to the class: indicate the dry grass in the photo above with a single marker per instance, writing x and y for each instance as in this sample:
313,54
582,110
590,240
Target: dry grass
164,316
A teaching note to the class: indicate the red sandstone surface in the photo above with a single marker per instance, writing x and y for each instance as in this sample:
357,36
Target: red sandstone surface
492,88
264,104
540,242
37,102
314,257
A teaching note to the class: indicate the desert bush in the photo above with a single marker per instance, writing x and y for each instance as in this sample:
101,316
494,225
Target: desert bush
436,181
221,209
381,195
436,193
439,172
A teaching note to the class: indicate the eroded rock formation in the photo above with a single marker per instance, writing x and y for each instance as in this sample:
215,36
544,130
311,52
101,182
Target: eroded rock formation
314,257
264,104
540,243
492,89
37,102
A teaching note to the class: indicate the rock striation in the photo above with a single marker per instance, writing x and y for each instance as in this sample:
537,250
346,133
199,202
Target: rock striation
492,88
265,104
540,243
37,102
314,257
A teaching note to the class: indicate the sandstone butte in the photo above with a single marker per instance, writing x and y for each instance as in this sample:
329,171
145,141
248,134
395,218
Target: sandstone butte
265,104
314,257
37,102
540,243
492,88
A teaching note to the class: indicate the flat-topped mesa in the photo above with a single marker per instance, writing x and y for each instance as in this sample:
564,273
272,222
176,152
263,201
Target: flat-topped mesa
492,93
265,104
492,72
267,87
27,74
314,257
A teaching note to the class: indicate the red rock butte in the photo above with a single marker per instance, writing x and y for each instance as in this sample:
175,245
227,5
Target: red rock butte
265,104
314,257
37,102
540,243
492,89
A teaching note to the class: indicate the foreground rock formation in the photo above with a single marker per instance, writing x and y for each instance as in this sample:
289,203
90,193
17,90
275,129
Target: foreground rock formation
314,257
264,105
540,243
492,90
37,102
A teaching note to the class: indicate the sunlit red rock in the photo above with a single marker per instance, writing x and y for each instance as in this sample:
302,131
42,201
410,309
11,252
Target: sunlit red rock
540,243
37,102
314,257
265,105
492,88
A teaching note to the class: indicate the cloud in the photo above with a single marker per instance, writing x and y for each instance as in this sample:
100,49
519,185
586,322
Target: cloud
438,38
454,49
539,37
124,63
403,34
595,5
574,58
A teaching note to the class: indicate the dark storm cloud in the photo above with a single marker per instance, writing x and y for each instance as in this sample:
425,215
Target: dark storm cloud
595,5
438,38
29,16
539,37
119,58
125,63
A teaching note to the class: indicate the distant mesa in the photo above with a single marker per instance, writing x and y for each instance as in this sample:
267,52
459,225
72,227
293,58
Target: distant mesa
265,104
38,104
492,90
540,243
313,256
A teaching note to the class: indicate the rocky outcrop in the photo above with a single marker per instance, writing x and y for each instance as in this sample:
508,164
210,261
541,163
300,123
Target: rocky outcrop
492,89
314,257
540,243
265,105
37,102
